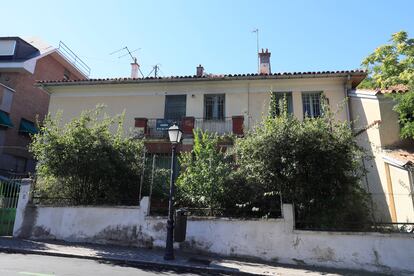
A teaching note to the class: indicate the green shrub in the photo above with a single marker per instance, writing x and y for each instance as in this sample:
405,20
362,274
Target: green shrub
89,160
314,163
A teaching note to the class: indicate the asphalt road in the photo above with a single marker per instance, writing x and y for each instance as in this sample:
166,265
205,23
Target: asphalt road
39,265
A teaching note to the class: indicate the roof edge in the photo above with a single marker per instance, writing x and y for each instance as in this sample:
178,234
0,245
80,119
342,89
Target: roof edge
228,77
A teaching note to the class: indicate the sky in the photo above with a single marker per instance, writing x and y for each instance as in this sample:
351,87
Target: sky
302,35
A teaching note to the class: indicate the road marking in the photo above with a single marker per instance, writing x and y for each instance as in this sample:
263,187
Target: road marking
35,274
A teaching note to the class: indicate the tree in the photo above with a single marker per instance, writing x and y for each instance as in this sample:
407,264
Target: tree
89,160
393,64
314,164
205,171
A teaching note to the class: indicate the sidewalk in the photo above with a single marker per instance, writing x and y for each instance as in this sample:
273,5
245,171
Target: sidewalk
152,257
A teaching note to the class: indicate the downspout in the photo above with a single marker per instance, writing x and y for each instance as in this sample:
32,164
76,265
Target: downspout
347,104
248,105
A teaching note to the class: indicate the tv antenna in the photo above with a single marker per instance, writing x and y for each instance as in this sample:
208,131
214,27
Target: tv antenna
134,59
256,30
155,69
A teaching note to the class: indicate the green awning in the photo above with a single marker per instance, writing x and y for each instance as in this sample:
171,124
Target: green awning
5,119
27,127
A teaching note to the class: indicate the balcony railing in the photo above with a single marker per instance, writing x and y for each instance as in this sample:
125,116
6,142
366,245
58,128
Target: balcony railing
157,128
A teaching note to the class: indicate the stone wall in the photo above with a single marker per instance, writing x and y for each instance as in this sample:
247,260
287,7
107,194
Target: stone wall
271,240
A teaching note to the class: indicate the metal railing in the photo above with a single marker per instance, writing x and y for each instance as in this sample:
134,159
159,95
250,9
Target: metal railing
74,59
220,127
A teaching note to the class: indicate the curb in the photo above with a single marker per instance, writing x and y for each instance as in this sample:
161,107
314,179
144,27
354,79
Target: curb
133,263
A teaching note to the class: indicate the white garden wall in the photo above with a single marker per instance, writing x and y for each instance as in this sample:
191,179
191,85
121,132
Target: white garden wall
271,240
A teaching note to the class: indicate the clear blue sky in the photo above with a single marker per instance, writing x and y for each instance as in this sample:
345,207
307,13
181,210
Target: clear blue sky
302,35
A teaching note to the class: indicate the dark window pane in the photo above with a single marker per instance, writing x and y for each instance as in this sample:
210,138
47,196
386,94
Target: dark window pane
175,107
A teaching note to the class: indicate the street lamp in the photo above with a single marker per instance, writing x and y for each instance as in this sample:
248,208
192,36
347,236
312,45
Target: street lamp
175,134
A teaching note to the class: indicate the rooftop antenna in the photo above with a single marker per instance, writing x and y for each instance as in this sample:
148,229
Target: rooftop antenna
257,47
155,69
134,59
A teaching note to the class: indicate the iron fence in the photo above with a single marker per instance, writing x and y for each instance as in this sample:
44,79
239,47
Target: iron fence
9,196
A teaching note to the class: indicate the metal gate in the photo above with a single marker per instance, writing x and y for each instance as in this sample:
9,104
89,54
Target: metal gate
9,196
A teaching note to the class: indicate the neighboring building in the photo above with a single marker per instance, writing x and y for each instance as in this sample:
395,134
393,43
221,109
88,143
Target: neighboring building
22,62
390,177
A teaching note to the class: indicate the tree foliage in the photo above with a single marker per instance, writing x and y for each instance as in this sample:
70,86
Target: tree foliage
88,160
393,64
205,171
405,109
314,164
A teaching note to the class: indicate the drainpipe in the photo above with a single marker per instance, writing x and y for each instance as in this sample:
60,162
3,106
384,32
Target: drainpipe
248,105
347,104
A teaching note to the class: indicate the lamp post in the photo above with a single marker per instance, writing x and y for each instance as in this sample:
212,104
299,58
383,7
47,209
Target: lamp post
175,134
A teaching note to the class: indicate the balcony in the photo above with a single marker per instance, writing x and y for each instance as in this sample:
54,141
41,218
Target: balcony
157,128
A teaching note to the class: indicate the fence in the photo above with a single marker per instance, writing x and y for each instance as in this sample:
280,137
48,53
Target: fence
9,195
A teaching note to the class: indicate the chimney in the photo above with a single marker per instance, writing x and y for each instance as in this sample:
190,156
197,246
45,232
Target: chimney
200,71
264,58
134,69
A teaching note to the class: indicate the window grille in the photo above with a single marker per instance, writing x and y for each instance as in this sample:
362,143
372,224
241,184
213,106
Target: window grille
312,104
214,106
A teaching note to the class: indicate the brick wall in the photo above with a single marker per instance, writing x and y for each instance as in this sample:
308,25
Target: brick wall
29,102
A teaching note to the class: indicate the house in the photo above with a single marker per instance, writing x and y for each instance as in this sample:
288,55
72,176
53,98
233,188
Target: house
390,171
218,103
234,103
22,62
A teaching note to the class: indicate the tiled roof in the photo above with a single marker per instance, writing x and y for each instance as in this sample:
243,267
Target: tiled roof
402,155
400,88
360,73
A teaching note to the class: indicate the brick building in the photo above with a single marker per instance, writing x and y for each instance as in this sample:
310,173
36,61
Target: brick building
22,62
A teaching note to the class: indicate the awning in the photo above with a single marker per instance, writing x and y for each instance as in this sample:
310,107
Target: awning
5,119
27,127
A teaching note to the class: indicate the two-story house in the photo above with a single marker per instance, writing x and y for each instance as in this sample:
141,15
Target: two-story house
218,103
230,103
22,63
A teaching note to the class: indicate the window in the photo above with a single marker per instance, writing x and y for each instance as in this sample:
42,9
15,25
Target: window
311,104
280,98
214,106
5,120
7,47
175,107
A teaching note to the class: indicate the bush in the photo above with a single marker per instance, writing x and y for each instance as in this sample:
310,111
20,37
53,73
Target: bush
314,164
205,171
88,160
